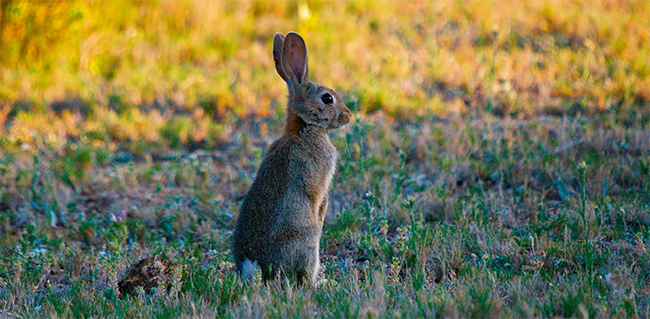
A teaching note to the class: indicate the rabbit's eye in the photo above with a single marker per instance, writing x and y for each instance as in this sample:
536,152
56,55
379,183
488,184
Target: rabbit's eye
327,98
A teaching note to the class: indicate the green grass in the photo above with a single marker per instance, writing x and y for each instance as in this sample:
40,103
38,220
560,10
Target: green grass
498,165
471,218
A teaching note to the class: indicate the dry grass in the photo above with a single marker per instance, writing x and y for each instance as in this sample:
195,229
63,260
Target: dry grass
211,60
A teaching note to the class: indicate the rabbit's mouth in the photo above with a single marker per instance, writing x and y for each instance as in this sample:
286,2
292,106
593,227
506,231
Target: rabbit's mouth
344,118
341,121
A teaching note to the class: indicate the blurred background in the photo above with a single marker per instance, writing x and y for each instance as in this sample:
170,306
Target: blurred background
177,73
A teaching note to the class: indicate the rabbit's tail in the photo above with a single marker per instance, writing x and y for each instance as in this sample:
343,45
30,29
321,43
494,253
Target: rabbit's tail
248,270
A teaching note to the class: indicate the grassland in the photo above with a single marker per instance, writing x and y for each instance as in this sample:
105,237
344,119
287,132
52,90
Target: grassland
498,165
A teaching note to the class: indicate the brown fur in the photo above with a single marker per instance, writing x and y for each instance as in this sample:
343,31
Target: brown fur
281,219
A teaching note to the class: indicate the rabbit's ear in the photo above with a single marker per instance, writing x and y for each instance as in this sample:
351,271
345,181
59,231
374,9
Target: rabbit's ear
278,42
294,59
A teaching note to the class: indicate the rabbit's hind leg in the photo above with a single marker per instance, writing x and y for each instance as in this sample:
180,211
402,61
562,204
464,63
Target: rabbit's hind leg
300,259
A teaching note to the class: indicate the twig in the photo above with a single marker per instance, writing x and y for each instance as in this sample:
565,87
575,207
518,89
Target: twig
21,255
9,314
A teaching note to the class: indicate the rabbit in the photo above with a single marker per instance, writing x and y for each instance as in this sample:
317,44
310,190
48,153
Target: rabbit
281,218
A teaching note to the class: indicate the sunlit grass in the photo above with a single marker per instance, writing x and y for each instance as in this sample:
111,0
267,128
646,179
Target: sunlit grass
407,59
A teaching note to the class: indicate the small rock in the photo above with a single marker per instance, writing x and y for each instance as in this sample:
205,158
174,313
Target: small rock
148,273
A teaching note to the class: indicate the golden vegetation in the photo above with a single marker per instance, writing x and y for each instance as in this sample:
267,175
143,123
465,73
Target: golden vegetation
510,58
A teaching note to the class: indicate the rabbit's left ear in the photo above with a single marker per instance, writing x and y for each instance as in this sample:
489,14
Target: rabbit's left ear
278,43
294,59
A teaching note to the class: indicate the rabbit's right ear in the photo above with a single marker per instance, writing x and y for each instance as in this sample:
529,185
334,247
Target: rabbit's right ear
294,59
278,43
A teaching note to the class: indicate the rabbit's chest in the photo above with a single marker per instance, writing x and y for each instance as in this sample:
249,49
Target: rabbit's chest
329,158
315,167
327,173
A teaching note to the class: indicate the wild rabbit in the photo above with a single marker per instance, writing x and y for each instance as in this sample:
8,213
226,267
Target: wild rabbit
281,219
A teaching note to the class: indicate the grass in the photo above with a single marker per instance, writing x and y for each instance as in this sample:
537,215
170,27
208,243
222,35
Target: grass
463,218
498,165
